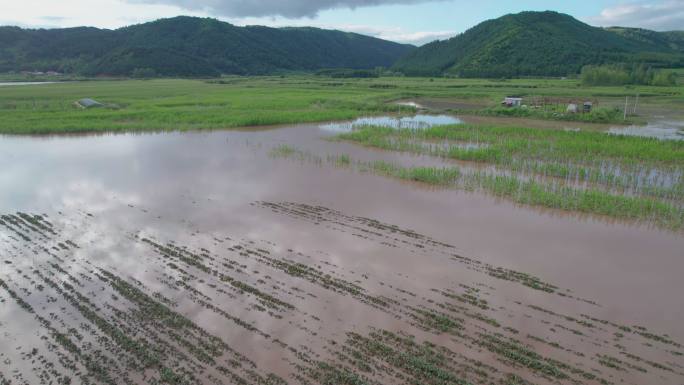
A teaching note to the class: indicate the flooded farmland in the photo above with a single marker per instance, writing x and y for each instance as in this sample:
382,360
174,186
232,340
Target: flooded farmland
201,258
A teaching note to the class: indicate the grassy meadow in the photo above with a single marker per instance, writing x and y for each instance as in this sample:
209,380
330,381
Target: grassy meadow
176,104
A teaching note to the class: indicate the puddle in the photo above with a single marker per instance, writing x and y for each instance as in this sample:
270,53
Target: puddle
411,104
665,130
411,122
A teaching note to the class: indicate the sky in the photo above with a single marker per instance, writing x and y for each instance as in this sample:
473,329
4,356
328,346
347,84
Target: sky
407,21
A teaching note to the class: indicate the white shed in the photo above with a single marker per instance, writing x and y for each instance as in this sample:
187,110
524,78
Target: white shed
511,101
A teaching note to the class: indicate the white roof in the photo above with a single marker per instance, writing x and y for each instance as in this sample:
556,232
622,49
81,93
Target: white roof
87,102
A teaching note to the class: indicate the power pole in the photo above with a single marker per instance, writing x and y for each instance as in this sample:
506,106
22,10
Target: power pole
636,103
626,104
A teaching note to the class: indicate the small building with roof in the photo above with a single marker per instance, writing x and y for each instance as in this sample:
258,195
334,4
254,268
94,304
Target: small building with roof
512,101
88,103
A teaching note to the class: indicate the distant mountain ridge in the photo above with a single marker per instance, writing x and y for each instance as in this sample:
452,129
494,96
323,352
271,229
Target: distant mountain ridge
190,46
541,44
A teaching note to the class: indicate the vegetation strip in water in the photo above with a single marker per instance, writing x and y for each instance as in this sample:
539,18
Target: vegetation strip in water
618,164
520,190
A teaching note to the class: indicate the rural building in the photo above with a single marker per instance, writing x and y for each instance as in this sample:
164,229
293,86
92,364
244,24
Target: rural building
574,108
511,101
88,103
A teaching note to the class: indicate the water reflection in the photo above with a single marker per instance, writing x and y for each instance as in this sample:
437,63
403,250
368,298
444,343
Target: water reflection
666,130
411,104
208,180
416,122
8,84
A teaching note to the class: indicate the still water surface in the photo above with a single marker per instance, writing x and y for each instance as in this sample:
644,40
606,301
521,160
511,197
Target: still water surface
195,187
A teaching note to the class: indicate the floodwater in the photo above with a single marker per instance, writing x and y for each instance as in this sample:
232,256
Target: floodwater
7,84
200,256
661,129
411,122
410,104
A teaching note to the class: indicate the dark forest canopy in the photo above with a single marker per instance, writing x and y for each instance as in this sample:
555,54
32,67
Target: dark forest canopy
541,44
189,46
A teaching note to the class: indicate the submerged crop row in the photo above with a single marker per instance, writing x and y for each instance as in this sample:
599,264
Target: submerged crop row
189,318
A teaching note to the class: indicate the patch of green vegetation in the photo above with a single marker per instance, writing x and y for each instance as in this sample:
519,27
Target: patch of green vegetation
327,374
582,171
598,115
515,352
430,175
503,144
614,75
168,377
542,194
435,320
425,364
283,151
159,105
168,104
266,299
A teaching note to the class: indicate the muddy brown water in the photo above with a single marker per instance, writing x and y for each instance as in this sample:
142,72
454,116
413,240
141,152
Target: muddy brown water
279,257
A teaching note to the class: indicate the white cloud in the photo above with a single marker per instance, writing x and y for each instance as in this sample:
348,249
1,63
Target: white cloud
119,13
392,33
73,13
396,33
260,8
664,15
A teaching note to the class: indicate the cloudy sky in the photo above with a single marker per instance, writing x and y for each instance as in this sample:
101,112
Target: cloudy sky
411,21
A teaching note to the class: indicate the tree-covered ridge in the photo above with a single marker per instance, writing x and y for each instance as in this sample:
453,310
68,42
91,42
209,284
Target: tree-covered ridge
189,46
672,39
540,43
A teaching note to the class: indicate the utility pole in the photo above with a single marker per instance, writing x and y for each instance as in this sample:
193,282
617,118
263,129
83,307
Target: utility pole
626,104
636,103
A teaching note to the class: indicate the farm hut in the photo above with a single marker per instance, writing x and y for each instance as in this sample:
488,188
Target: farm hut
572,108
587,107
511,101
88,103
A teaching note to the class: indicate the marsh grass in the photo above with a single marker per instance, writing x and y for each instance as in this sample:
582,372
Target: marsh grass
525,191
617,164
599,115
177,104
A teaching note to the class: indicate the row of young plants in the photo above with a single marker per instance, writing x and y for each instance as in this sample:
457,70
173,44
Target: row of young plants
519,189
621,164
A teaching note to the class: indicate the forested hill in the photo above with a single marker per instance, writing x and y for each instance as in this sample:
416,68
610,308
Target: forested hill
541,43
189,46
673,39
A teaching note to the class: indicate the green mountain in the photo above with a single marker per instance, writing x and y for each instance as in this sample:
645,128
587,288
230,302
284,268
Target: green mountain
189,46
540,44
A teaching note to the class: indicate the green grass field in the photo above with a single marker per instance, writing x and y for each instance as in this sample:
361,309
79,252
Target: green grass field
174,104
